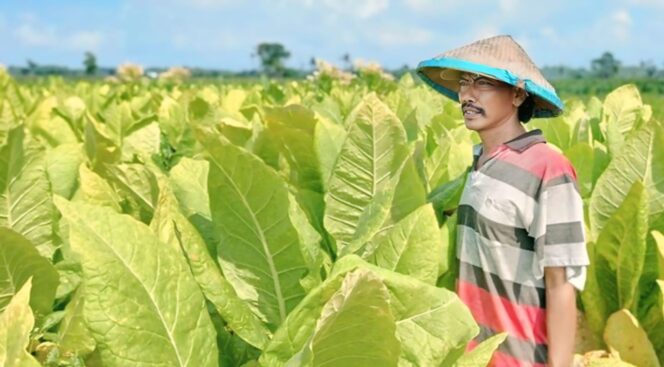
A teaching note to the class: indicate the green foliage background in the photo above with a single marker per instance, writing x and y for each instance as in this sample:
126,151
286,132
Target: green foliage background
292,223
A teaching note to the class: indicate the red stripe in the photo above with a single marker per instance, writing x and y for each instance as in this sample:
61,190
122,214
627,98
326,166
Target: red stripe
497,313
542,161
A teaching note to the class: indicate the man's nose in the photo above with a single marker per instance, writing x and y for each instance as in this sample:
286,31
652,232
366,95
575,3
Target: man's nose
467,95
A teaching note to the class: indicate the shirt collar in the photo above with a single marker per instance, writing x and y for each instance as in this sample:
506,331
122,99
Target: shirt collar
520,143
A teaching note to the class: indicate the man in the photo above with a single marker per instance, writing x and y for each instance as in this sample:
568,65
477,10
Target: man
520,232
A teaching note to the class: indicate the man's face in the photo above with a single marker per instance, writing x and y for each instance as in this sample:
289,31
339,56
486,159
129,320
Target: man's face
486,103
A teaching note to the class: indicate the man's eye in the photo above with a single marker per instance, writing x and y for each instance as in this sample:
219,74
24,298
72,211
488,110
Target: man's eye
483,82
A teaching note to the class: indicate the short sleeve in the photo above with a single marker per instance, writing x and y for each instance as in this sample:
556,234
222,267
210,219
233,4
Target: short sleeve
558,227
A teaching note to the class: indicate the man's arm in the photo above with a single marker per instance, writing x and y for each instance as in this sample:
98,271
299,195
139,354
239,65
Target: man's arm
560,316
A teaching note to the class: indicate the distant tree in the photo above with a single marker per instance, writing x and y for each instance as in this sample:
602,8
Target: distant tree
90,63
648,68
605,66
32,67
272,56
346,59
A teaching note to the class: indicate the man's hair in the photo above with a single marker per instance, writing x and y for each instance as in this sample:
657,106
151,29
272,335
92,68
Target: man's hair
526,109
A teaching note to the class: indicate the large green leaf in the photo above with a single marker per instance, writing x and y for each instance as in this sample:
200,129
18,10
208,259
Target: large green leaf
365,175
356,327
25,193
621,111
618,258
412,246
95,190
651,316
48,126
141,302
449,264
642,158
141,142
16,322
410,193
431,323
624,336
20,261
188,180
259,251
658,238
328,139
622,245
62,168
101,145
73,335
595,303
139,186
482,353
581,156
293,127
450,158
174,229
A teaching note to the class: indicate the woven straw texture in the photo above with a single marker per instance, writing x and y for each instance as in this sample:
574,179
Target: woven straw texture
500,52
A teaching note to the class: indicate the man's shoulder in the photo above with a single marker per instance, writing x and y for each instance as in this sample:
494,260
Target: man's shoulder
547,162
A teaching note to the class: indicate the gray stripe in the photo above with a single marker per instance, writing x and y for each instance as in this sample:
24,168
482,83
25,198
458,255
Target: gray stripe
520,349
505,261
494,231
562,233
513,175
563,179
492,283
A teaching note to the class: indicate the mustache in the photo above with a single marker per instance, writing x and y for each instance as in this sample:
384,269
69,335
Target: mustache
471,106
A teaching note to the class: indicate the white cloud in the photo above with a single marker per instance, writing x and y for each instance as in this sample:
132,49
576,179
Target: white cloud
420,5
622,17
653,3
85,40
32,33
35,35
552,36
405,36
485,31
210,40
620,24
209,4
508,6
436,6
361,9
525,43
185,4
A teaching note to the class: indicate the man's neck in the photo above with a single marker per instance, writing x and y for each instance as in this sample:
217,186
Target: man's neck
493,138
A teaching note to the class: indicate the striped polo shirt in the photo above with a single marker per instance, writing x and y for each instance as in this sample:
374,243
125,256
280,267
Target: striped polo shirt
519,212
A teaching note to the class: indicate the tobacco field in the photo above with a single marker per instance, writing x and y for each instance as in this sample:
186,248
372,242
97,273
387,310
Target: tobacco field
297,223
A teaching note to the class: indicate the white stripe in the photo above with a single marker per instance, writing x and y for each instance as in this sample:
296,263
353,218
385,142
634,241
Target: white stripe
557,204
508,262
564,204
498,201
573,256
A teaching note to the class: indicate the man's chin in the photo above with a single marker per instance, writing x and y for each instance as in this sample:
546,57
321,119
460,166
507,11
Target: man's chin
474,124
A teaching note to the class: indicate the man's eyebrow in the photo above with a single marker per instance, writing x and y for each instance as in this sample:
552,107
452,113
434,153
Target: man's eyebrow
468,77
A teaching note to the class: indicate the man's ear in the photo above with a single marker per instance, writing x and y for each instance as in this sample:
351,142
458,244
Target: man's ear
520,95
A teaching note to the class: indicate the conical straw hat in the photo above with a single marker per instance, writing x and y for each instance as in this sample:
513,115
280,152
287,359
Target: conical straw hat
498,57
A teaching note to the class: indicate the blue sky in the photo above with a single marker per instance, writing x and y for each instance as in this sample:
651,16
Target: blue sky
223,33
